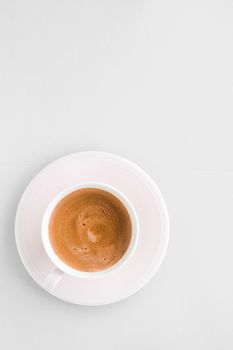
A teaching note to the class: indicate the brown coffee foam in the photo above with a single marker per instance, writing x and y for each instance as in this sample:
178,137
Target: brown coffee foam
90,229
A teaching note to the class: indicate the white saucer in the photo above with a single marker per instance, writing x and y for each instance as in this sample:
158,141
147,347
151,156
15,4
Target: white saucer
126,177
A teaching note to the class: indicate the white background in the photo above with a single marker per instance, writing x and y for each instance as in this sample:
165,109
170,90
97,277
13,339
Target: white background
151,81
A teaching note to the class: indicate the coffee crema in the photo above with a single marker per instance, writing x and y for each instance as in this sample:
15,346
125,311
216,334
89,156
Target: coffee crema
90,229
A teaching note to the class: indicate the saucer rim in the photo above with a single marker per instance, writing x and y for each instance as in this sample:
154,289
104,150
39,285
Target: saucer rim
166,226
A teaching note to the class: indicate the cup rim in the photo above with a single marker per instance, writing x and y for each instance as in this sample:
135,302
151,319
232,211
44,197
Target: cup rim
60,264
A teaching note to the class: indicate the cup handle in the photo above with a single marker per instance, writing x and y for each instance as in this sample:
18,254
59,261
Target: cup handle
52,279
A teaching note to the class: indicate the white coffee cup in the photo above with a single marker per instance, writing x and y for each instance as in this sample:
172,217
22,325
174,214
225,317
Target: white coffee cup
60,267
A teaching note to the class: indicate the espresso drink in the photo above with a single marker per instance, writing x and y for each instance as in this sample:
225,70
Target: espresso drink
90,229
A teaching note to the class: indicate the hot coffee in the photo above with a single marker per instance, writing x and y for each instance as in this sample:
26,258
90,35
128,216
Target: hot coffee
90,229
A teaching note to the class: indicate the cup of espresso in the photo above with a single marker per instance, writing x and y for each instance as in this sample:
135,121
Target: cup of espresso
88,231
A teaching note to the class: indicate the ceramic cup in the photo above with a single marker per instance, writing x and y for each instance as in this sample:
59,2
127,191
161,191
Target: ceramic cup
60,267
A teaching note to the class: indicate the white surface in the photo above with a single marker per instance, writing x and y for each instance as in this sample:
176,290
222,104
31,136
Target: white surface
115,172
148,80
